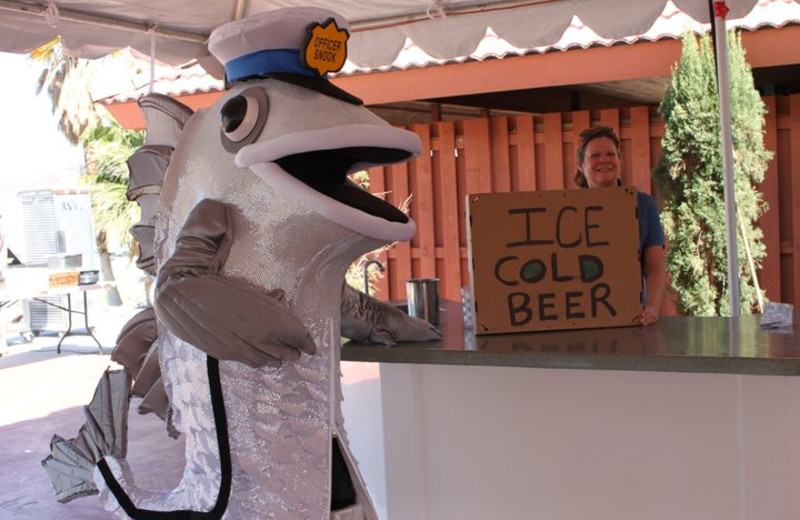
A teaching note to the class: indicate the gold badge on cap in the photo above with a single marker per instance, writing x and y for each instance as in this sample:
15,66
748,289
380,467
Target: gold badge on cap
325,49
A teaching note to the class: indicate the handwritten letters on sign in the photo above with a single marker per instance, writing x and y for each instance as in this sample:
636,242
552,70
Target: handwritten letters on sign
552,260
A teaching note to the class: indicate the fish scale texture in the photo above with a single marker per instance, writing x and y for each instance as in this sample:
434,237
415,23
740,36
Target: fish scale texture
280,420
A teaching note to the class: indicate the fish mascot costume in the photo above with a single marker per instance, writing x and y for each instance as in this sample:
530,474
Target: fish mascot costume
256,225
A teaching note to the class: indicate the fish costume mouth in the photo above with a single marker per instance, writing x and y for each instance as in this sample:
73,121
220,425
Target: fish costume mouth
335,183
326,170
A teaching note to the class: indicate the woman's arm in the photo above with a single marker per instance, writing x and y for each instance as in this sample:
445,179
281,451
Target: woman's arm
655,282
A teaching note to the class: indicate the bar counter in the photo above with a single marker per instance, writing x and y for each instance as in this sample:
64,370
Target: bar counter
691,418
673,344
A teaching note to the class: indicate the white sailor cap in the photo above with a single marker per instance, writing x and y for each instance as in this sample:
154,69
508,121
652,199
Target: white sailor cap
299,45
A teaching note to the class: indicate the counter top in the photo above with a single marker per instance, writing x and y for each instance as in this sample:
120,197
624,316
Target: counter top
674,344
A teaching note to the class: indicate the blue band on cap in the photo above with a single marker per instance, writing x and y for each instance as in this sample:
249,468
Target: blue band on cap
261,63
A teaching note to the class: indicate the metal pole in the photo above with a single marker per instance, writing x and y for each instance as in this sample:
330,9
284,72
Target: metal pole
726,138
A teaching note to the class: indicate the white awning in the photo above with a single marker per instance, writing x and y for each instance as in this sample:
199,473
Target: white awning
441,30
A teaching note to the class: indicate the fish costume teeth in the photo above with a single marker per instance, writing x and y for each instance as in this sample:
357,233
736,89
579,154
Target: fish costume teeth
256,226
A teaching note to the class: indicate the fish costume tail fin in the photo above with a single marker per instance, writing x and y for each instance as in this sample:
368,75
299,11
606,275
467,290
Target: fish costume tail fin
72,462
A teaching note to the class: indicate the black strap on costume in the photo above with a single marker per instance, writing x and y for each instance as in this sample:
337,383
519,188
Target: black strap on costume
223,444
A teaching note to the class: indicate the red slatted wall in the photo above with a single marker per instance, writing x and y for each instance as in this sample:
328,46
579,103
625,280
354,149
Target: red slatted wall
537,152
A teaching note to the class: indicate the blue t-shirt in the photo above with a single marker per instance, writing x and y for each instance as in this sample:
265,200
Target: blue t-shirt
650,231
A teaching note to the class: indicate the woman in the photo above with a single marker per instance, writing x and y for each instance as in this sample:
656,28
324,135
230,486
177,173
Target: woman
599,167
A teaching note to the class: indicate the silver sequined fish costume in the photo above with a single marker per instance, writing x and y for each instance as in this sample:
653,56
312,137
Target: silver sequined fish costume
261,437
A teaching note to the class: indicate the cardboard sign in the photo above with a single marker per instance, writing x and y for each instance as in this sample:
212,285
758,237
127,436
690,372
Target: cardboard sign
550,260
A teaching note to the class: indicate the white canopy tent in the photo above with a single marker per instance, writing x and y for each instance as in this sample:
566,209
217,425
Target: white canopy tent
443,29
175,31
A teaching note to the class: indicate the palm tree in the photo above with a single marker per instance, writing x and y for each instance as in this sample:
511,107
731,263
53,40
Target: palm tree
107,146
66,81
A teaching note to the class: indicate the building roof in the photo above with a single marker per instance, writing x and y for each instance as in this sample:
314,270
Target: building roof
633,68
669,23
499,41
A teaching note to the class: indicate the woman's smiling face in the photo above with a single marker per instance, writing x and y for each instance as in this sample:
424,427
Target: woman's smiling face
600,163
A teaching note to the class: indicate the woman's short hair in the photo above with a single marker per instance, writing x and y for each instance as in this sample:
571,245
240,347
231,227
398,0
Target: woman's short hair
584,139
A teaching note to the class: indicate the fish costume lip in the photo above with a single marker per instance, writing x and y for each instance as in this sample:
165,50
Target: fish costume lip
292,164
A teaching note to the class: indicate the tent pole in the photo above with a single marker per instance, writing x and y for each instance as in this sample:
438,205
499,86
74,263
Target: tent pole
726,143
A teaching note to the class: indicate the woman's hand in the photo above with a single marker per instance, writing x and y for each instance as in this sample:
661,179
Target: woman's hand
655,283
649,315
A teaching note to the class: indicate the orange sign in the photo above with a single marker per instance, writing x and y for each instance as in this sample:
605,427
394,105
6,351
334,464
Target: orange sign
552,260
325,49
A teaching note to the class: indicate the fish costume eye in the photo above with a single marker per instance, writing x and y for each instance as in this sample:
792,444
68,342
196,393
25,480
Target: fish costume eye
242,118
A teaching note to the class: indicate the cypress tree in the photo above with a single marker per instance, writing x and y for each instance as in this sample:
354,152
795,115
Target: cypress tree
689,178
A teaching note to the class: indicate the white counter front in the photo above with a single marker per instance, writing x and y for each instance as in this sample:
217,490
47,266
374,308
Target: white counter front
465,441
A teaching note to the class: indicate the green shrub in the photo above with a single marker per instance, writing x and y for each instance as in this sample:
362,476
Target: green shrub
689,178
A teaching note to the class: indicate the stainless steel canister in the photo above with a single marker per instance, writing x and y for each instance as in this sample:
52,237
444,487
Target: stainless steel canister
423,299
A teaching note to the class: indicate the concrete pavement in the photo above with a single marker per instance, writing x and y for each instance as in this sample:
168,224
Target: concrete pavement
43,393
